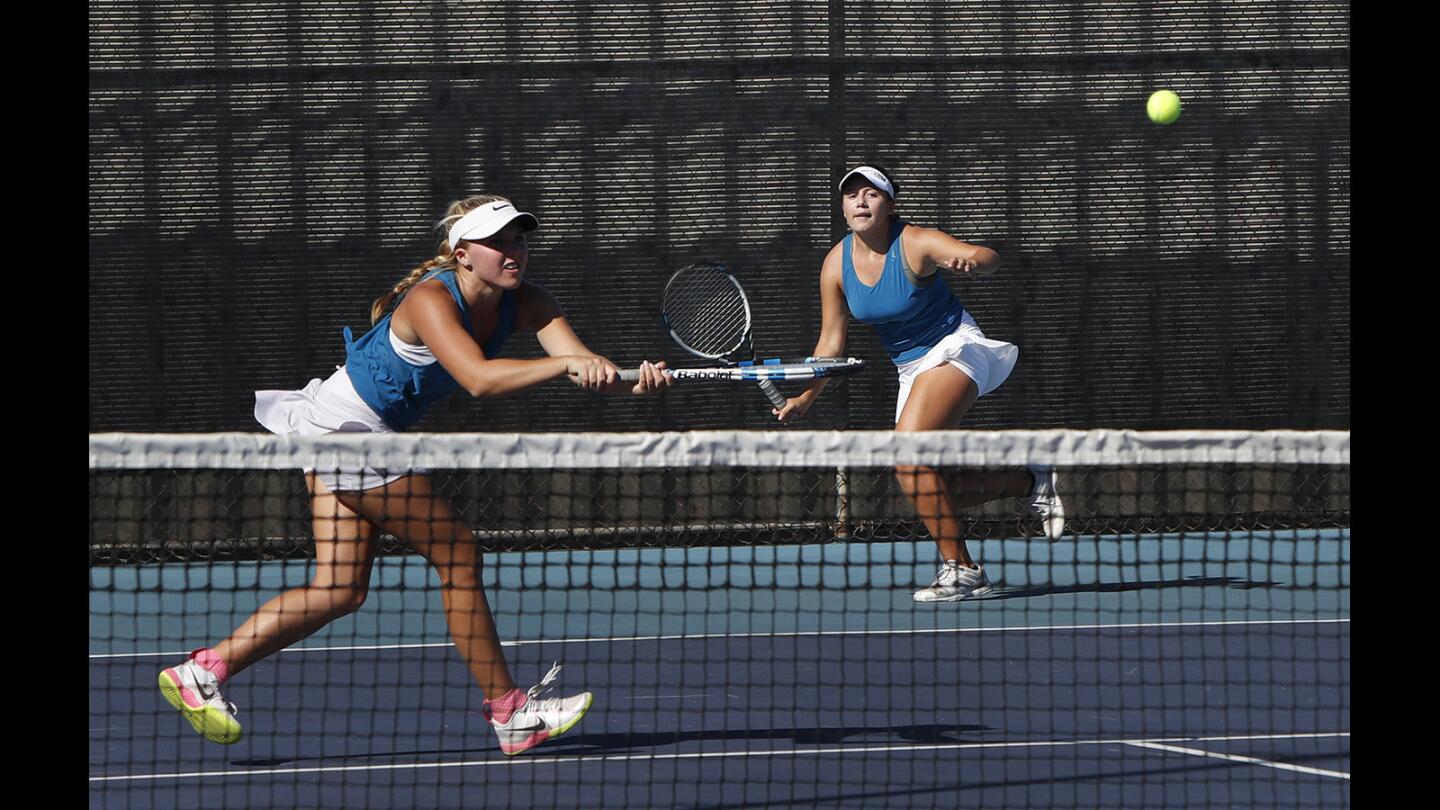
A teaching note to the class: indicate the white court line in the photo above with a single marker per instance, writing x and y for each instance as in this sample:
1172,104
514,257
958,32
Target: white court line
786,634
523,761
356,648
1199,752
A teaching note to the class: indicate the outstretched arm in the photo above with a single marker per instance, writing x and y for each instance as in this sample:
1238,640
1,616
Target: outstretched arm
834,324
430,312
937,249
542,313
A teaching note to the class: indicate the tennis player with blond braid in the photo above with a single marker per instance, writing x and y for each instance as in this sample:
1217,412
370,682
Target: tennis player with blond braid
450,320
886,273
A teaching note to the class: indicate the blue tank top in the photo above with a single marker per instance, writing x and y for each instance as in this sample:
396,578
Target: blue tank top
910,314
396,389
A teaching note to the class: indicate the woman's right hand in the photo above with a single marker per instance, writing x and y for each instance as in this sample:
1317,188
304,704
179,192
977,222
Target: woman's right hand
592,373
795,407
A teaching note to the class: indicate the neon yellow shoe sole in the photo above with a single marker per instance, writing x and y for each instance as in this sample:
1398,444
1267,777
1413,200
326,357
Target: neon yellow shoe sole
550,734
213,724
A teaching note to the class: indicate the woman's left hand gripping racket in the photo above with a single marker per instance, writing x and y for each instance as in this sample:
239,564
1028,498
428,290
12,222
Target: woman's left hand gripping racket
709,316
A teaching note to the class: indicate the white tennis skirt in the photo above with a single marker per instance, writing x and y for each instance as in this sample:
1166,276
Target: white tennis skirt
987,362
327,406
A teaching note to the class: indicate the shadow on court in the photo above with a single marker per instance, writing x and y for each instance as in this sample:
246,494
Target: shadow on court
1145,585
573,744
612,743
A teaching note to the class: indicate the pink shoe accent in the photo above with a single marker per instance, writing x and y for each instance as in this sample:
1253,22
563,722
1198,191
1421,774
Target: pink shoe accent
209,661
502,708
529,742
186,693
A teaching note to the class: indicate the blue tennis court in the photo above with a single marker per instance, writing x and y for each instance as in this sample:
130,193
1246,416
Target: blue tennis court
1185,670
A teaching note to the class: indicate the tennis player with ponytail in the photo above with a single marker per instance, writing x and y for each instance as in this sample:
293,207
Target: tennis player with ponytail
450,319
886,273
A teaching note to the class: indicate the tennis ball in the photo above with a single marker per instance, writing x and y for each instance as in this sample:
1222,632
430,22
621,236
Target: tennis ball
1163,107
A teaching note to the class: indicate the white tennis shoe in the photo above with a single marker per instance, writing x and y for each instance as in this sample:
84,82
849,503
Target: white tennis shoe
1044,503
541,719
956,582
195,692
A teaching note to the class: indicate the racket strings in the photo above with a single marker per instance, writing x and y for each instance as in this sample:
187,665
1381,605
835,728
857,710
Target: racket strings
716,328
707,313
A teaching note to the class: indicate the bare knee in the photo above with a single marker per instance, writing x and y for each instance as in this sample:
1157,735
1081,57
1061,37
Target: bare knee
351,599
459,563
915,477
340,600
460,576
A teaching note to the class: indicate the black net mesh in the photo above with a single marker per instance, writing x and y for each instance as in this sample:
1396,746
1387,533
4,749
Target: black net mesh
260,172
745,619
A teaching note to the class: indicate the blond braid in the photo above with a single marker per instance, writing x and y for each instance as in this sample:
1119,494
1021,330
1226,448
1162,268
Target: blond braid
377,309
444,258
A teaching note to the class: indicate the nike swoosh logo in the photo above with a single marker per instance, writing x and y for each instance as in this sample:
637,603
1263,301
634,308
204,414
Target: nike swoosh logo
538,724
206,692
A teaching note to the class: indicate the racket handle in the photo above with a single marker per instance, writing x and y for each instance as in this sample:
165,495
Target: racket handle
771,392
776,398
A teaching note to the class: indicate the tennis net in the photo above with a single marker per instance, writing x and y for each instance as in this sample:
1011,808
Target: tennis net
743,607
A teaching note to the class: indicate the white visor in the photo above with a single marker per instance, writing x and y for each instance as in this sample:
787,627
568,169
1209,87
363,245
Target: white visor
874,175
487,220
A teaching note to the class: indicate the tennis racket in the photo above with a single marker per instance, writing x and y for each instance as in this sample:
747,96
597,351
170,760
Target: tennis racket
765,371
709,316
